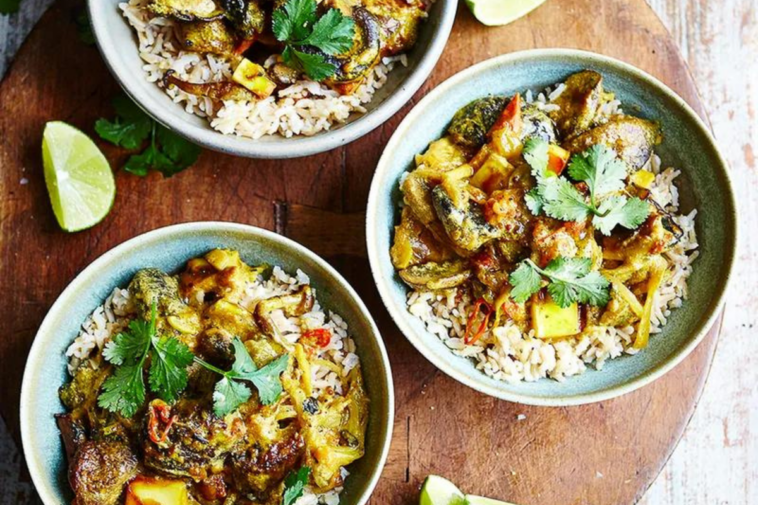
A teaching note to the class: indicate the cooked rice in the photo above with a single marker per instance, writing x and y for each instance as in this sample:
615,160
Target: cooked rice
506,353
114,315
304,108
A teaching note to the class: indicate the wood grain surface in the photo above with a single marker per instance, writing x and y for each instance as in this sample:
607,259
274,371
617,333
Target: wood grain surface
600,454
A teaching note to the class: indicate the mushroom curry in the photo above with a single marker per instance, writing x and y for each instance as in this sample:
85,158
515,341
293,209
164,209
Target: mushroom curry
212,394
541,215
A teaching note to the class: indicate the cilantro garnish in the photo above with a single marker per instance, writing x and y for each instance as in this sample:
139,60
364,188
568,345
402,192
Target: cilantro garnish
294,485
570,280
166,152
603,173
124,391
84,27
230,393
297,25
9,6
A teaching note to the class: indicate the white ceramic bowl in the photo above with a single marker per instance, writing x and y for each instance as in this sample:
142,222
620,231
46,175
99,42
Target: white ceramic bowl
118,44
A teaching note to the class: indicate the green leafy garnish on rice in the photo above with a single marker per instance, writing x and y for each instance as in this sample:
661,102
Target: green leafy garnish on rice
124,391
570,280
604,175
294,485
297,25
165,152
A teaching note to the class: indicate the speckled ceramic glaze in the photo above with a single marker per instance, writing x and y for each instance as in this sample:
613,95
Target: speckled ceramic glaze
118,45
687,145
169,249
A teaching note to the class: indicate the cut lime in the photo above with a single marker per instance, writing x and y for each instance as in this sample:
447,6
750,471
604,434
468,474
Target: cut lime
501,12
439,491
481,500
78,177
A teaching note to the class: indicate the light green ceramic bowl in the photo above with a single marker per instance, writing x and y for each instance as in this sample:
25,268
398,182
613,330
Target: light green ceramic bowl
688,145
169,249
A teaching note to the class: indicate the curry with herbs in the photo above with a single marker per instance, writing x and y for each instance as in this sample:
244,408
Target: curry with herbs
541,213
204,399
338,42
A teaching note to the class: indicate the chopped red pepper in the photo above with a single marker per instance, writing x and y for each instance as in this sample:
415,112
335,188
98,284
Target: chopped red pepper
320,336
511,116
243,46
480,304
159,413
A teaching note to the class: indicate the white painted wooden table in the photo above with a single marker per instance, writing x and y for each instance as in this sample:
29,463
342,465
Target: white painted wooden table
716,462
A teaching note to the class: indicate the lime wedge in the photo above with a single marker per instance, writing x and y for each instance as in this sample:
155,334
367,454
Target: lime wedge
501,12
78,177
481,500
439,491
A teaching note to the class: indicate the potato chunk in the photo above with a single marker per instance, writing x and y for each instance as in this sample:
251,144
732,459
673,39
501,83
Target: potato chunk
155,491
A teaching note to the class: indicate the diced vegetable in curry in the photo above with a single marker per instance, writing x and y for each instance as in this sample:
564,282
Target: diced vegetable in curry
202,400
542,215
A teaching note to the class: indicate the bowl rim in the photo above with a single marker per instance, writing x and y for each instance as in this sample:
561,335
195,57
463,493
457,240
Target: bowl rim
401,318
34,461
283,147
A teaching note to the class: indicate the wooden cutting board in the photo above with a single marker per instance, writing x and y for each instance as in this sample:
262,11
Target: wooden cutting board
602,454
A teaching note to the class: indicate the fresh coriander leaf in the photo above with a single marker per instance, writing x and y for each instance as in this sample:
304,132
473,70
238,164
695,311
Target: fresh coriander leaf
128,135
591,289
563,201
130,128
332,33
84,27
9,6
618,210
243,363
294,485
228,395
292,22
169,360
267,380
535,154
124,391
128,347
525,281
572,281
568,267
315,66
150,159
600,169
534,201
182,152
308,38
127,109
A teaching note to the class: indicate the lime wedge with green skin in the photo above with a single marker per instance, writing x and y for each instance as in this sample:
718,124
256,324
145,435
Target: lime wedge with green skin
439,491
501,12
481,500
78,177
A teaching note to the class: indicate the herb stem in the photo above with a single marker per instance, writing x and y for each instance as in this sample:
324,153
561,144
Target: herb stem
210,367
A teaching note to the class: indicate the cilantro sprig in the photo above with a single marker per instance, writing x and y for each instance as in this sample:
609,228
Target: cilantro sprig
603,173
230,393
569,280
165,152
124,391
294,485
9,6
297,25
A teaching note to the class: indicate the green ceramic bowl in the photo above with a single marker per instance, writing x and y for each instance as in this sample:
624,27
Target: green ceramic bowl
168,249
704,184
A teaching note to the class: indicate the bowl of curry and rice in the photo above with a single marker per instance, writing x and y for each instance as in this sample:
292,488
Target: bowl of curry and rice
271,79
561,230
208,363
